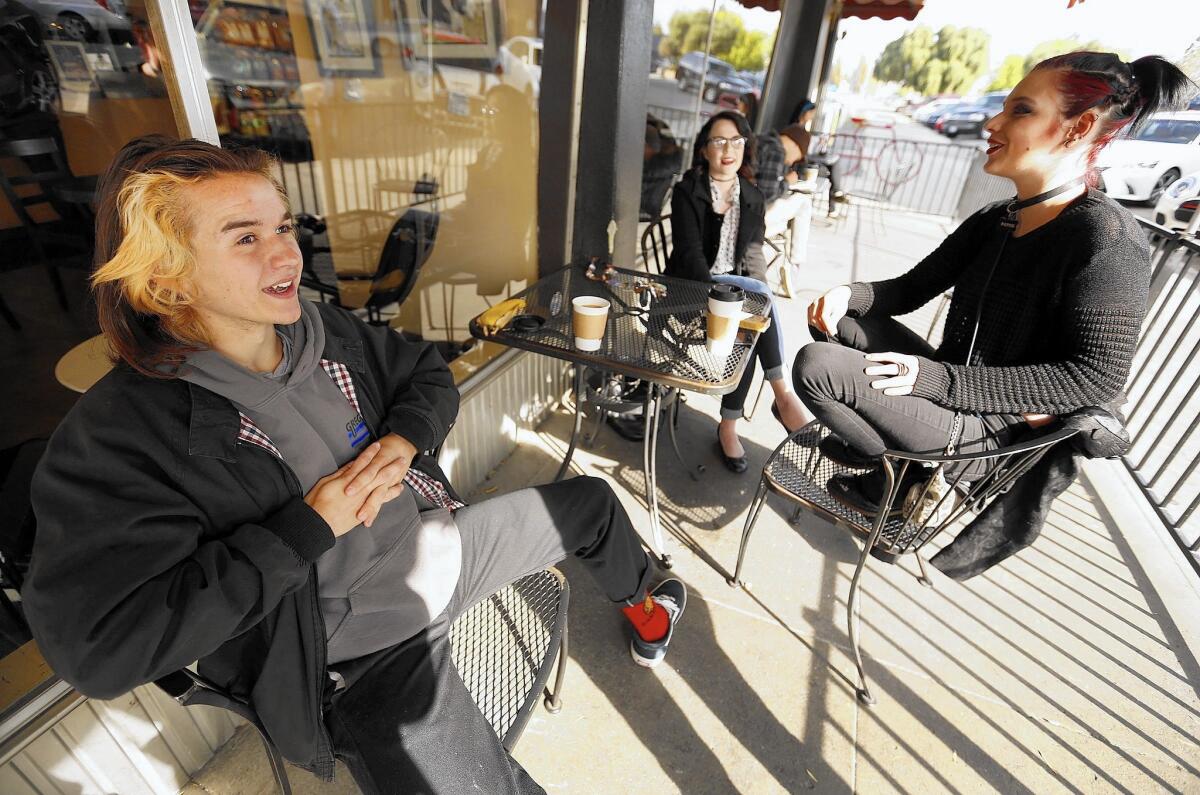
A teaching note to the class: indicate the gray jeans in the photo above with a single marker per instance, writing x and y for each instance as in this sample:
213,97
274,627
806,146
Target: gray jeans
407,723
829,378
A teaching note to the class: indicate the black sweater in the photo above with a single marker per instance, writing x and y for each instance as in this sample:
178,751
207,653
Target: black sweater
1061,315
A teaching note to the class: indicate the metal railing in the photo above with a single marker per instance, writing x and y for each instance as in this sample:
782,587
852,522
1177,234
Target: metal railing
916,176
1164,389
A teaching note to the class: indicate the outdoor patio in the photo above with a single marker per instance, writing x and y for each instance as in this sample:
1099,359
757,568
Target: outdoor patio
1069,668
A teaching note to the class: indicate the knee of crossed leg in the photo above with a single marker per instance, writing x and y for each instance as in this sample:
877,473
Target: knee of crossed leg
813,369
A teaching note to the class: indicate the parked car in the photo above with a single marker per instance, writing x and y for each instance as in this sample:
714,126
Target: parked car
959,120
1177,206
939,113
923,113
721,78
1142,167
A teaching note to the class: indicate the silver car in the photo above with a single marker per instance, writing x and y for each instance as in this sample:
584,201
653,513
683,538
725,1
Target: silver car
83,20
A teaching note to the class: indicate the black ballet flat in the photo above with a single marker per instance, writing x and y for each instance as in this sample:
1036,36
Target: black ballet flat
735,464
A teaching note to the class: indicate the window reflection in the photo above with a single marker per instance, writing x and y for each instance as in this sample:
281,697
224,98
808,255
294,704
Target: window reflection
407,132
78,79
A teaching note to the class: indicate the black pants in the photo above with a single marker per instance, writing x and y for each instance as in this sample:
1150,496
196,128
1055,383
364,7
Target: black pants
408,724
829,378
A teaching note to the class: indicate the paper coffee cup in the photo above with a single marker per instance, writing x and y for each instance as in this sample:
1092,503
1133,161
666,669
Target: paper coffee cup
810,173
589,315
721,321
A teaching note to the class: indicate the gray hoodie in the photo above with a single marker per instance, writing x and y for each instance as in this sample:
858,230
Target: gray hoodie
379,585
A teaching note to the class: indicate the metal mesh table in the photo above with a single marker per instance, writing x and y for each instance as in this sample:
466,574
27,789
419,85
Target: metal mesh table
655,337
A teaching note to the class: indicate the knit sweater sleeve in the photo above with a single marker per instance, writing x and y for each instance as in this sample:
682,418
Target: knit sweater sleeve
1104,303
931,277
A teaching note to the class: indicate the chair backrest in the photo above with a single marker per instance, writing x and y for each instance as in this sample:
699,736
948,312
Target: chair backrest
43,164
407,248
656,246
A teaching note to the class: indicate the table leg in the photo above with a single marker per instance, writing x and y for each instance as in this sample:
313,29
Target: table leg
672,421
562,470
651,411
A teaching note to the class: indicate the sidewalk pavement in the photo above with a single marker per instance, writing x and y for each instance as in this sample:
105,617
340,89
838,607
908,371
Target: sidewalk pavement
1062,670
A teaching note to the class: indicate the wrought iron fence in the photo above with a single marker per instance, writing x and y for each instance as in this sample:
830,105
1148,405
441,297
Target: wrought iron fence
1164,389
916,176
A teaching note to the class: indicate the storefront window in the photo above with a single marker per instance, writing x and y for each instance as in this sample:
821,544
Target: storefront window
77,81
407,133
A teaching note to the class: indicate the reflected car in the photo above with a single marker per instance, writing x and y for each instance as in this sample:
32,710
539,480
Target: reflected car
720,78
82,20
1177,207
26,80
940,113
1142,167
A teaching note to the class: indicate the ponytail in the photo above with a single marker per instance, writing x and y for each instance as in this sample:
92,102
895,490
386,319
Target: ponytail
1158,85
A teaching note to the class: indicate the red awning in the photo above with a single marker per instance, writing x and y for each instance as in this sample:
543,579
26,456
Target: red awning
862,9
881,9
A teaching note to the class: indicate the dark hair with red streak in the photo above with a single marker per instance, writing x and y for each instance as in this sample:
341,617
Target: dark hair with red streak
144,340
700,162
1125,95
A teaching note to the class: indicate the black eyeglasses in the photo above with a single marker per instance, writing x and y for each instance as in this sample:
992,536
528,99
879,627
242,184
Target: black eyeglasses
721,143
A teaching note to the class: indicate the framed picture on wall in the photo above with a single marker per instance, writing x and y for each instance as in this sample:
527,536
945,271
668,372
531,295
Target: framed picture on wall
455,29
71,65
343,37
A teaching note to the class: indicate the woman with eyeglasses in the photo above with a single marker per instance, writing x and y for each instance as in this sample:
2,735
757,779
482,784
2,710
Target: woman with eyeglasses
717,225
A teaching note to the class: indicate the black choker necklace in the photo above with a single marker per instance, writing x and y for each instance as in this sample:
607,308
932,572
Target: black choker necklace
1015,206
714,179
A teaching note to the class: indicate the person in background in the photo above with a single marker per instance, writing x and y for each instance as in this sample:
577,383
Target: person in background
802,115
717,227
248,487
1040,326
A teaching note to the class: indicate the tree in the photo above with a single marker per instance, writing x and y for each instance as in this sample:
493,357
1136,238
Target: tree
1048,49
1011,70
949,61
687,31
749,51
862,73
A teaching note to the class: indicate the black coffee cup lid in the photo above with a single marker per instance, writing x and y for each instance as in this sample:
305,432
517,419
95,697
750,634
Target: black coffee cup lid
727,292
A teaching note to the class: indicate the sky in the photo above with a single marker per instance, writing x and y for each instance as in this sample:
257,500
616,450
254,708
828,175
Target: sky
1140,27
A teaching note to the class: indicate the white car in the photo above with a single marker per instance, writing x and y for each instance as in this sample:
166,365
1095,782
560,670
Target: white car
1177,207
1141,167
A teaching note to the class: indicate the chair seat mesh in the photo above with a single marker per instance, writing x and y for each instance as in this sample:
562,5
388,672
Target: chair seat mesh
800,471
500,647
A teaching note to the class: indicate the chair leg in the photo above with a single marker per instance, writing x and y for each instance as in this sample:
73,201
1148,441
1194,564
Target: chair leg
864,689
590,439
277,768
59,290
553,699
8,316
760,499
924,578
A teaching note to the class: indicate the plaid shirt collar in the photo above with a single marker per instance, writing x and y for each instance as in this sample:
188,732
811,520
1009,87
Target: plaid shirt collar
425,485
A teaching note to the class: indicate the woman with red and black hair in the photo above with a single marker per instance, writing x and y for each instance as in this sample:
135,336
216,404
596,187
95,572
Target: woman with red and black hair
1050,289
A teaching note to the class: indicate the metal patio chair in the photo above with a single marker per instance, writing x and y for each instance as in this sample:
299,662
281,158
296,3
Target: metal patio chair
504,648
798,471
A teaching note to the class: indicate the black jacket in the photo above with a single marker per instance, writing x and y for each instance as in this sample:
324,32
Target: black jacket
162,540
696,230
